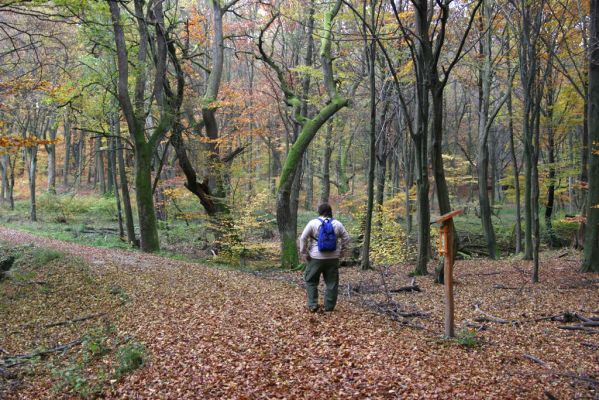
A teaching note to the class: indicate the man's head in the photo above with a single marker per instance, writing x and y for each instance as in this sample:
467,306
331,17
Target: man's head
325,210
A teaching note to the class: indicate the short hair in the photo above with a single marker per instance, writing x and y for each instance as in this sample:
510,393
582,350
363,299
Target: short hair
325,210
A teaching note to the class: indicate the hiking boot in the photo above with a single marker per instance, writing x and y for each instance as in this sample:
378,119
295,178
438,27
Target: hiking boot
329,309
313,309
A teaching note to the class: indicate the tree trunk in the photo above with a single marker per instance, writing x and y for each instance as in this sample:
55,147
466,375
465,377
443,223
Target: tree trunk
5,186
371,55
437,151
484,127
516,170
110,185
113,169
32,177
67,151
409,180
200,189
80,158
129,223
145,199
344,148
11,181
591,245
325,189
309,181
551,159
51,150
535,201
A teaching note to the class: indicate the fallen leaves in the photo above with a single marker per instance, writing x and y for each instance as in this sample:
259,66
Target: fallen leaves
215,333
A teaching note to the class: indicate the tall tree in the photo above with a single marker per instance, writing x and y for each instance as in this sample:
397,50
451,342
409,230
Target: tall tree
309,128
486,117
591,244
148,17
370,50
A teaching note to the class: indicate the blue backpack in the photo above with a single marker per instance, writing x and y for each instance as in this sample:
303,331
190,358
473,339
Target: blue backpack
327,239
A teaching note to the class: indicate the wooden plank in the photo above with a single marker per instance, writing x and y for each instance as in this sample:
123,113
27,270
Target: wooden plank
448,279
447,216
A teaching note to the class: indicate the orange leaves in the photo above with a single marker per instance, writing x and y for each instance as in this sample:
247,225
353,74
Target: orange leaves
13,142
197,29
219,333
24,85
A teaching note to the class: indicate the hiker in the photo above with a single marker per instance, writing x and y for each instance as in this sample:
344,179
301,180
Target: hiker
328,239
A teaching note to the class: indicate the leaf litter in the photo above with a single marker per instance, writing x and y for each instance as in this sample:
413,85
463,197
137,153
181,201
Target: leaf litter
214,333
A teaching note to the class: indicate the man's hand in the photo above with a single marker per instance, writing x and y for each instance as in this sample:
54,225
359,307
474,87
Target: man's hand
306,258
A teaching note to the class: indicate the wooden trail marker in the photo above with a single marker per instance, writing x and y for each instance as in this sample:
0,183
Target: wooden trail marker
446,250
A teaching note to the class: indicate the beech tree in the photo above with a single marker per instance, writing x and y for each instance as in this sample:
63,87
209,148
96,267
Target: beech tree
591,244
148,17
309,128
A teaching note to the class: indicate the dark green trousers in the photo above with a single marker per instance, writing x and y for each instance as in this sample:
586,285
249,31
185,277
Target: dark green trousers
330,271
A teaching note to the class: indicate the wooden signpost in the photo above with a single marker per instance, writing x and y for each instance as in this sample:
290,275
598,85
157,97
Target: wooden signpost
446,250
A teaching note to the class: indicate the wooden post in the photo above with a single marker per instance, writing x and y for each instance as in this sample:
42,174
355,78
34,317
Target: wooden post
446,250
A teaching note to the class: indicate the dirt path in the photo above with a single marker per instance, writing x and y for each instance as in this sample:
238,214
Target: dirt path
222,334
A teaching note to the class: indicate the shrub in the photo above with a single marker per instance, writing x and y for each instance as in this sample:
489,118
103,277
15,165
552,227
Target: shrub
38,257
42,257
389,242
130,357
467,338
94,346
73,379
565,229
241,232
67,206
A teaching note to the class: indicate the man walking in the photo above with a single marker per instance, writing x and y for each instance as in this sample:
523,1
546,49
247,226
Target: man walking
322,242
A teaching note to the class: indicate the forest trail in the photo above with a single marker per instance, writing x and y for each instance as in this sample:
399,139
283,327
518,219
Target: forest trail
215,333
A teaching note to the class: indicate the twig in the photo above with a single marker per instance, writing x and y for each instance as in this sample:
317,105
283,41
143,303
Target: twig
412,287
500,286
579,328
590,345
481,273
535,360
25,283
72,321
489,317
563,317
14,360
584,378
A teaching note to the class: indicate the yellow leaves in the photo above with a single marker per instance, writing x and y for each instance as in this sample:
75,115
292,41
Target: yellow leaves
14,142
306,70
405,70
24,85
176,192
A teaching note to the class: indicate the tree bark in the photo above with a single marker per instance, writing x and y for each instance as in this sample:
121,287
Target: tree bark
550,100
325,189
591,245
129,223
4,173
67,151
484,127
32,177
135,111
370,54
113,170
51,150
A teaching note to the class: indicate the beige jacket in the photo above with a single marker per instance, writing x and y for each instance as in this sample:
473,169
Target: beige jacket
309,245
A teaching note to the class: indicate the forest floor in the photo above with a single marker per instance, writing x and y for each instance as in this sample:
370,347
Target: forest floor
211,332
